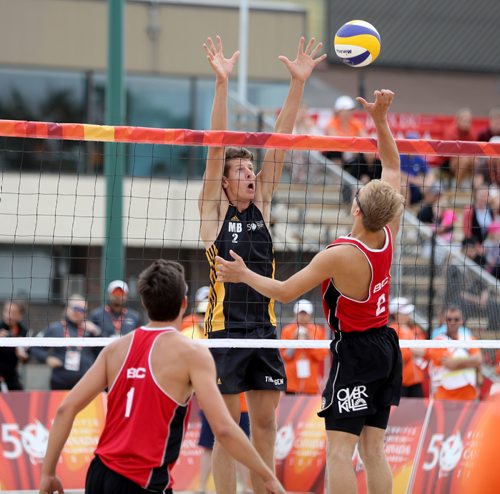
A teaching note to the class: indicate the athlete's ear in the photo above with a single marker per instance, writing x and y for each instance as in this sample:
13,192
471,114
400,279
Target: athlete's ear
225,182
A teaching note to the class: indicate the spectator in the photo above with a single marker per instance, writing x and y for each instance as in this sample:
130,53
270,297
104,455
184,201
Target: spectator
304,367
492,249
343,124
114,318
461,167
414,170
493,129
12,326
400,310
454,371
489,168
478,216
69,364
468,290
193,324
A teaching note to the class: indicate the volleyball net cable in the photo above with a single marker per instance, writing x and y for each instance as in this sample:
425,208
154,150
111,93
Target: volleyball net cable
51,209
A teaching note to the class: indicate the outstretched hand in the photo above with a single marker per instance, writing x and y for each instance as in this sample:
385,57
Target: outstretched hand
221,66
301,68
379,108
230,271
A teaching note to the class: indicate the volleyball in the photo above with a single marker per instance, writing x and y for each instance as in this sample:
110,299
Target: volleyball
357,43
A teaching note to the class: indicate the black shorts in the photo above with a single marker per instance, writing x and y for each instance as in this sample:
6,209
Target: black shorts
245,369
102,480
365,379
206,439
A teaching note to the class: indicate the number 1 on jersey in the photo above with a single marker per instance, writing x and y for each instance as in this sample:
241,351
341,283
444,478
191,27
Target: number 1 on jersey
130,399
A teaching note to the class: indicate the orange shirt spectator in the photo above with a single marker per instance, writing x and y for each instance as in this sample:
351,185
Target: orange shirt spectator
304,367
193,324
454,371
413,367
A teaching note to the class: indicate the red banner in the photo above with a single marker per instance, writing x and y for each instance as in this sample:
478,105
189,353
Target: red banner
432,447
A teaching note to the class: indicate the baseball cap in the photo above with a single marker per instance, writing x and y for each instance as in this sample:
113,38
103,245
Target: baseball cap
344,103
400,305
201,299
303,305
118,285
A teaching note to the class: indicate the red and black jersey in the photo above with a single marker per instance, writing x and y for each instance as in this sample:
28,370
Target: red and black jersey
346,314
144,426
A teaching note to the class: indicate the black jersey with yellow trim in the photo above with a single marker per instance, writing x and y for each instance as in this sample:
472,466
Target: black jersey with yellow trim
236,306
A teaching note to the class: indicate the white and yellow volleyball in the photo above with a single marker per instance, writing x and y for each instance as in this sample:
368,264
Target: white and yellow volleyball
357,43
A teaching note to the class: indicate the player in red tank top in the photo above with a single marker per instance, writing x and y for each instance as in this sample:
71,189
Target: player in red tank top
151,375
365,379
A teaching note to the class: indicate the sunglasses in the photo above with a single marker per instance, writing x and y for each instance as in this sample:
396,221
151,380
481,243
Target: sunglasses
356,197
78,308
453,319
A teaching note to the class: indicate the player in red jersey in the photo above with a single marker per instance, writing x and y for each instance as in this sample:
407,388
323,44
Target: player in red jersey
365,379
151,375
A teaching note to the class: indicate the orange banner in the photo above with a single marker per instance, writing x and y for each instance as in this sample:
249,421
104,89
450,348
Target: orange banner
432,447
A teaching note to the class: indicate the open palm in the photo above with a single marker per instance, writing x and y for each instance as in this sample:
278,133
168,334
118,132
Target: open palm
220,65
301,68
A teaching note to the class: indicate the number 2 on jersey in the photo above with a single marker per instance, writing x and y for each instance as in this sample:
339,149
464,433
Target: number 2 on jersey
380,305
130,399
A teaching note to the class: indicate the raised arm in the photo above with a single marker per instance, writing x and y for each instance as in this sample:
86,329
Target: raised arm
387,149
320,268
300,70
225,429
212,186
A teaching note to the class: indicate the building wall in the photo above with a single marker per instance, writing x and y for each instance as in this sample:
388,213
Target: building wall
73,34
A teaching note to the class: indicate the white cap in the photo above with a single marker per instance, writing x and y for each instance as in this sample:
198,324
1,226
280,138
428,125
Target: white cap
344,103
201,299
303,305
400,305
495,139
118,284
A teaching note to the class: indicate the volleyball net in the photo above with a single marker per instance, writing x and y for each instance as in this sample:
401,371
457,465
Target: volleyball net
53,214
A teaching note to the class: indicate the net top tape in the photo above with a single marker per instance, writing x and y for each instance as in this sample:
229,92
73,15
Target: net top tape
183,137
241,343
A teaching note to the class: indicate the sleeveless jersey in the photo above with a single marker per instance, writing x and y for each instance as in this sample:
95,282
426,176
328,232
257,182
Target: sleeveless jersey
236,306
346,314
144,426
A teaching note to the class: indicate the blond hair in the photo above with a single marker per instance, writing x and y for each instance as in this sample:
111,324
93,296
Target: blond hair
381,203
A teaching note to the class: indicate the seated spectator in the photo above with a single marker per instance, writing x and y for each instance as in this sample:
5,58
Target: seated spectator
304,367
468,290
414,170
367,168
70,363
493,129
114,318
454,372
478,216
432,212
400,311
489,168
343,124
491,248
12,326
461,167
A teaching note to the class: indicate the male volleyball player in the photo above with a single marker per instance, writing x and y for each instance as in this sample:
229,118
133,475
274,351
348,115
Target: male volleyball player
151,374
234,207
365,378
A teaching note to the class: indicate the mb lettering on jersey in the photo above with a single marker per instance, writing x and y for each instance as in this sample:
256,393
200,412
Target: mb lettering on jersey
235,227
136,373
352,400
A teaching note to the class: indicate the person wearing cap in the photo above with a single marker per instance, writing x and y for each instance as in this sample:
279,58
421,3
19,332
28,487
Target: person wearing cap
114,318
401,310
68,364
304,367
344,124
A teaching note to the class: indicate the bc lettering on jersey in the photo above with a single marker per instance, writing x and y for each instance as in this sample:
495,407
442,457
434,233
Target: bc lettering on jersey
136,373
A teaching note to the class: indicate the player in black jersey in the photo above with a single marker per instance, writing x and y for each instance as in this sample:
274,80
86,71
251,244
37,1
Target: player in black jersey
235,209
